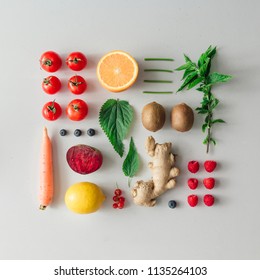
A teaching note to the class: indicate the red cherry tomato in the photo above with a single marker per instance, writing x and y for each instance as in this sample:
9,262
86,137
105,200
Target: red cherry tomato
76,61
50,61
51,111
77,84
77,110
51,84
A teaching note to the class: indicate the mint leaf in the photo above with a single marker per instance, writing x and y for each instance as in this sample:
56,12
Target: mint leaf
187,72
184,66
195,82
213,141
187,59
218,121
131,162
208,54
115,118
204,68
214,104
188,80
218,78
204,127
202,59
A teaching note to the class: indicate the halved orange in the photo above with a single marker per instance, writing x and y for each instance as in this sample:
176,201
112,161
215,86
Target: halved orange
117,71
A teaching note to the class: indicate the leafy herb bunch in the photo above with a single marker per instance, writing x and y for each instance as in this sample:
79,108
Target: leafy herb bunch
198,74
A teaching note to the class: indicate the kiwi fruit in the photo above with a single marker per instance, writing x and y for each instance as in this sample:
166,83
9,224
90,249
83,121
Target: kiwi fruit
182,117
153,116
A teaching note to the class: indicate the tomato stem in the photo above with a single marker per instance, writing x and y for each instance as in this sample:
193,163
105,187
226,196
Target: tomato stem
47,62
75,107
52,107
76,83
47,81
75,60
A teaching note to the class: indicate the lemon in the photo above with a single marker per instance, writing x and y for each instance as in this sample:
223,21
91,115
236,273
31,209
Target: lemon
84,198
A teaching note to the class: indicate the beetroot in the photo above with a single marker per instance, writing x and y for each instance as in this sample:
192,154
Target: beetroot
84,159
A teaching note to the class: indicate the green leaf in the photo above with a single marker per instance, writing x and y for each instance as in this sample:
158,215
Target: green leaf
200,89
187,72
187,59
184,66
204,127
188,80
206,140
195,82
218,121
201,111
131,162
115,118
202,59
204,67
218,78
213,141
209,53
214,104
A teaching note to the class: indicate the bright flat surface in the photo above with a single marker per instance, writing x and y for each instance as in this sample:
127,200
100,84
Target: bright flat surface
229,230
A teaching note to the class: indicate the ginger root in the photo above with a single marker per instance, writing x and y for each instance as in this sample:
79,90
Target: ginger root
163,174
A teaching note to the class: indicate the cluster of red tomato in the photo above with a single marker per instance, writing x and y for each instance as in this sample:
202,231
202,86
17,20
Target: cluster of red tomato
77,109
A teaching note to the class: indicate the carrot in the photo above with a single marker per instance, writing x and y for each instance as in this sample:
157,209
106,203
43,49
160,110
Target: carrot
46,172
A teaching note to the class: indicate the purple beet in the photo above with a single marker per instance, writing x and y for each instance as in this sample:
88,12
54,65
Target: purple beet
84,159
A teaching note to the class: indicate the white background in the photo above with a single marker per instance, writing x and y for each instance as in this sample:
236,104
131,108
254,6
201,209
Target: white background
229,230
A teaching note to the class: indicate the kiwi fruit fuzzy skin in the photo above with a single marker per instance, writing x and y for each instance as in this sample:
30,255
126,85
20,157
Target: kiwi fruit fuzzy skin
153,116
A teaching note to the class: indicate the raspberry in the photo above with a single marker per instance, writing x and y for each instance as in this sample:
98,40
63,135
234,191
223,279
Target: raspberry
209,183
192,200
210,165
193,183
208,199
193,166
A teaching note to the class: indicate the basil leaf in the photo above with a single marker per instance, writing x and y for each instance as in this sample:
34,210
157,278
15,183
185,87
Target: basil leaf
115,118
131,162
218,78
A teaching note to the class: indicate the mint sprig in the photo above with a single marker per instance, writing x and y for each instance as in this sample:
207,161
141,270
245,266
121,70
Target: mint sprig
198,74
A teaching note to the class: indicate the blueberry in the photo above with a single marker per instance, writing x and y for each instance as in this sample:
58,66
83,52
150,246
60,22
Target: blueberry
172,204
63,132
77,132
91,132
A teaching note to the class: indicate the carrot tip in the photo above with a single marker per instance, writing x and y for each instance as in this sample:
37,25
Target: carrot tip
42,207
